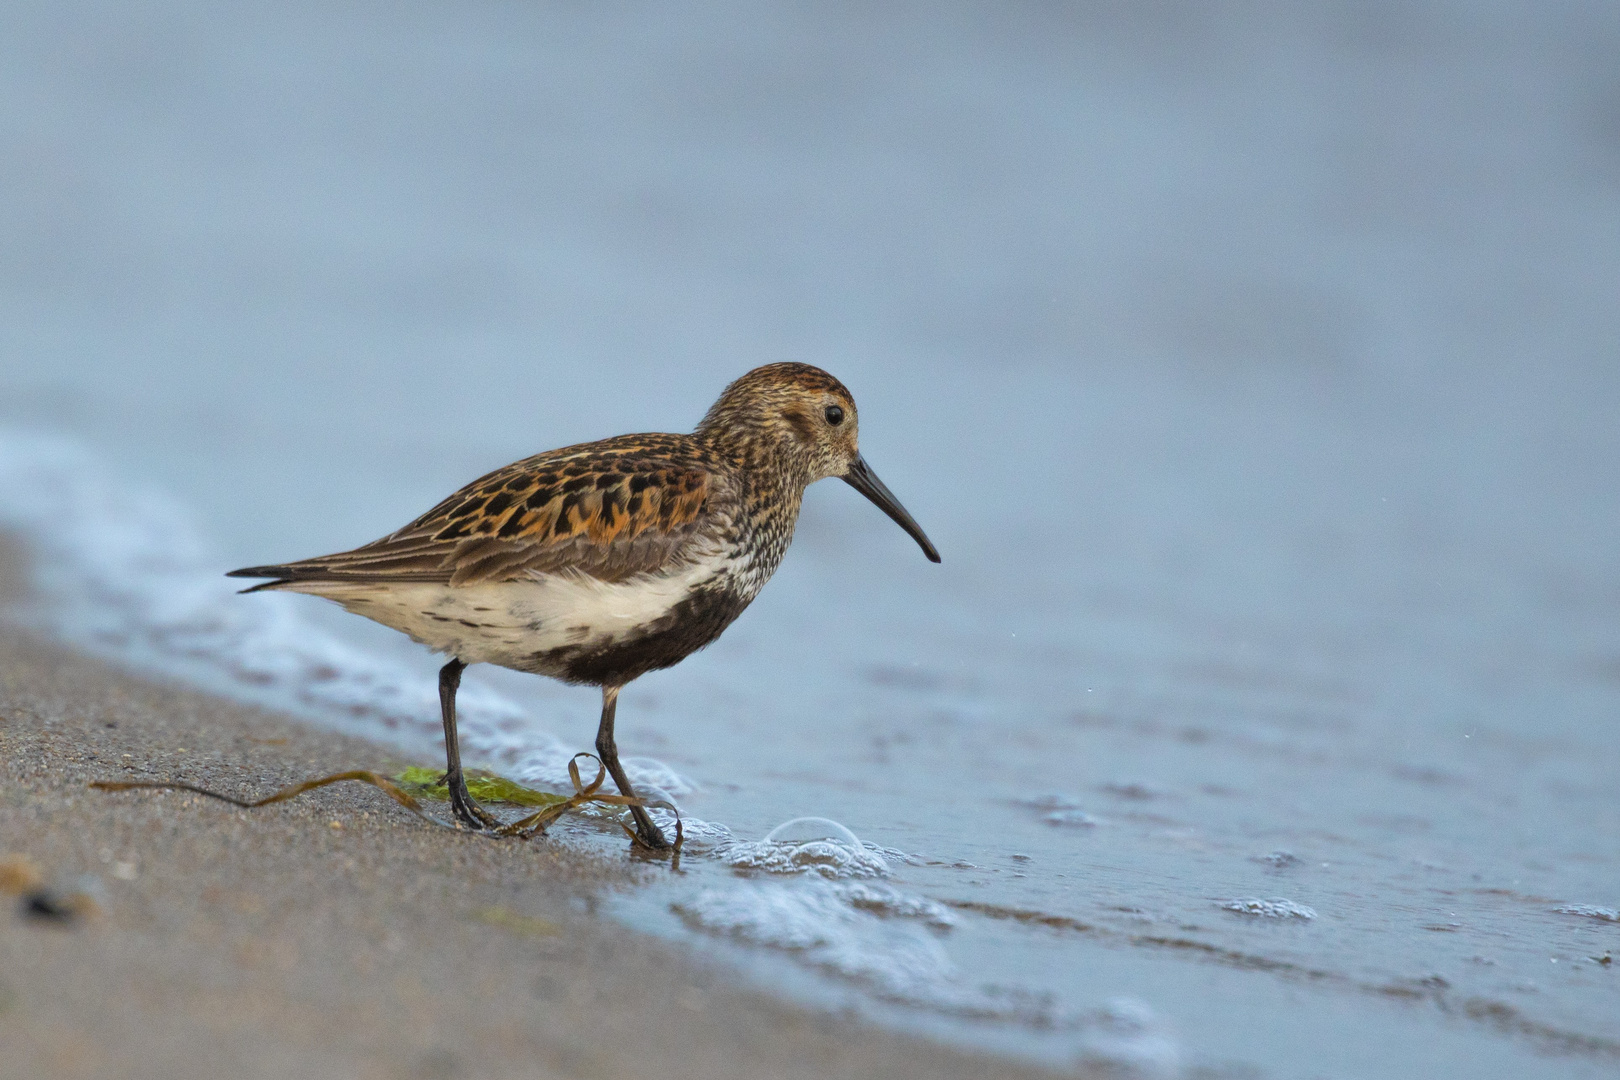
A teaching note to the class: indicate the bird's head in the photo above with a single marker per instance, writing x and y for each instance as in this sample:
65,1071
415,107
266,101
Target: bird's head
799,420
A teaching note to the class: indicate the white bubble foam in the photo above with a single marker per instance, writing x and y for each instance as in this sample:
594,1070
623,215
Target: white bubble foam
808,845
1274,908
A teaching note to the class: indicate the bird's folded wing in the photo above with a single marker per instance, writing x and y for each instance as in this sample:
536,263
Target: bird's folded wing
609,512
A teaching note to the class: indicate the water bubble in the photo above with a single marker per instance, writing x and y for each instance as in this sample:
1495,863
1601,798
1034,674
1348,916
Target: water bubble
808,829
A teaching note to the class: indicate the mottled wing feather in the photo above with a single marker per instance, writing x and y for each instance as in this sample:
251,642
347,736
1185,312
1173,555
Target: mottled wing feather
611,510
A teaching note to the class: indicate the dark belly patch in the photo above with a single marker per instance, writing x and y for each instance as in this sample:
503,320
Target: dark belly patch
690,625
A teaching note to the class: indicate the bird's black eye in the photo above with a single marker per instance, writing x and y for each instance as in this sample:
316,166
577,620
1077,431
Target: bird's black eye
835,415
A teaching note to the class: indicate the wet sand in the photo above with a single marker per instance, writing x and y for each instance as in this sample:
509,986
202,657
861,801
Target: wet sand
336,935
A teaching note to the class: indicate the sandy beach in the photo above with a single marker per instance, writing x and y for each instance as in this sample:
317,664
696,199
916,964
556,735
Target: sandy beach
336,935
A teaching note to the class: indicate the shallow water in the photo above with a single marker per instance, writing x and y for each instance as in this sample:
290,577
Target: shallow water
1252,369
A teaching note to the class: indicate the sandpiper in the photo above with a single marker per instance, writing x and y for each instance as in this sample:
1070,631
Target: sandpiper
598,563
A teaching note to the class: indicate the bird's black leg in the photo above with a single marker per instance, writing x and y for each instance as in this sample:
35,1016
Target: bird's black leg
468,812
648,833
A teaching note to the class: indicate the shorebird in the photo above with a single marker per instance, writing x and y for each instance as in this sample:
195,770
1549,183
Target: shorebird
595,564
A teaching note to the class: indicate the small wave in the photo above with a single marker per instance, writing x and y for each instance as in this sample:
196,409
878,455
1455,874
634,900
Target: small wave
1605,914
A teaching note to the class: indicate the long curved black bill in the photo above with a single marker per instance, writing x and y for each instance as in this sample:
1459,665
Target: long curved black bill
864,480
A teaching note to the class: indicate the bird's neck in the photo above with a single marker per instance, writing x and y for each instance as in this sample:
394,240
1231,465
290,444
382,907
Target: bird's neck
766,463
772,496
771,484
